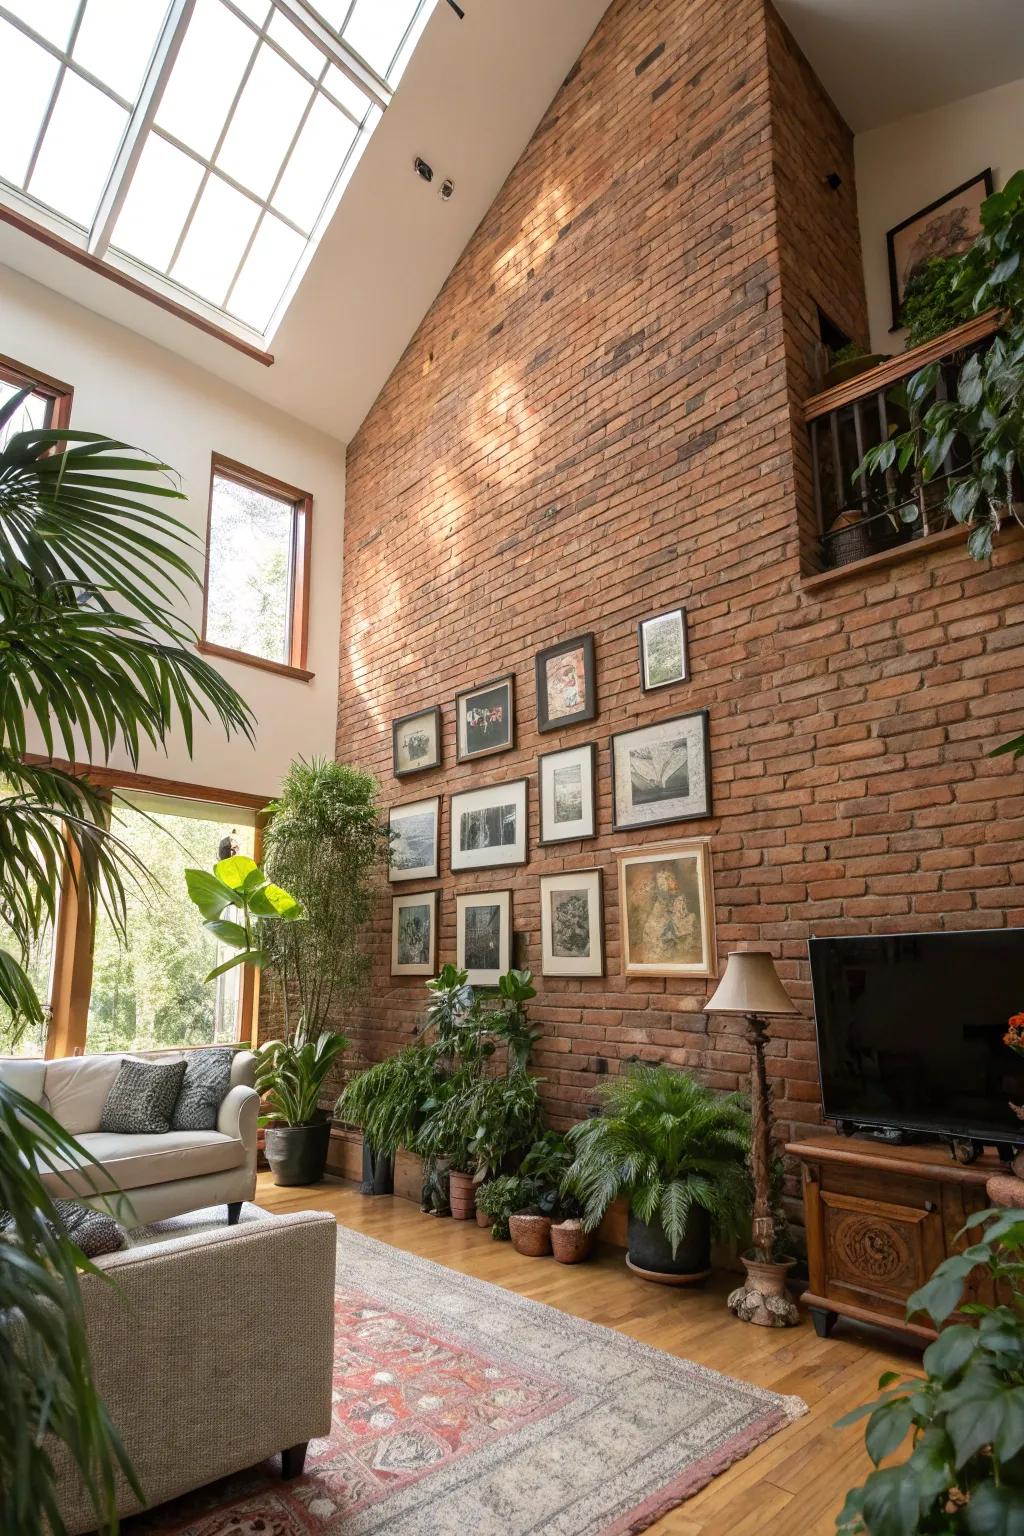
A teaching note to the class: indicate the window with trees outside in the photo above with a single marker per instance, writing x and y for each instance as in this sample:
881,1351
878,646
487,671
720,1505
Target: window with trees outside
257,569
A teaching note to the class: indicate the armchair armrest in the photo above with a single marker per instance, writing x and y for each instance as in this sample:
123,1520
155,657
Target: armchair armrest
238,1114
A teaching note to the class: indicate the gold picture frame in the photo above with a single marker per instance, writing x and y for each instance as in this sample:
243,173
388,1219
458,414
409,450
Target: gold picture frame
667,910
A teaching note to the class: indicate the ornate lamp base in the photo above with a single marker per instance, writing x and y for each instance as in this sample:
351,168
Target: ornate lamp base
764,1299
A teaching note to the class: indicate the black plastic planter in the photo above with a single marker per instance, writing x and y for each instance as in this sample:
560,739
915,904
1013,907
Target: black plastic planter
297,1154
650,1251
378,1172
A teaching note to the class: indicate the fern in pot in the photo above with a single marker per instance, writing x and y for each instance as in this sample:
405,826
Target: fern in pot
678,1152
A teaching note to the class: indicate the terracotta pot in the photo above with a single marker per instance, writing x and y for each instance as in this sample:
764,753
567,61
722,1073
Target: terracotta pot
462,1195
531,1235
482,1219
764,1299
569,1243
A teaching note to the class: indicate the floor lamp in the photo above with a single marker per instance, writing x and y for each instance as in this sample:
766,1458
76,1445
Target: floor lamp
751,989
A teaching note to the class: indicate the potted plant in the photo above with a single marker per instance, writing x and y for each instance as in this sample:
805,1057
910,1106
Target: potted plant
678,1152
849,361
935,301
482,1124
545,1167
499,1199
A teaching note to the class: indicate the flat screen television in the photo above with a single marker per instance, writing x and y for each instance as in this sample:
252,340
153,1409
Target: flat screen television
910,1031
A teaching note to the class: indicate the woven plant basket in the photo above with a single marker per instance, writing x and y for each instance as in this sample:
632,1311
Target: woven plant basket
531,1235
569,1243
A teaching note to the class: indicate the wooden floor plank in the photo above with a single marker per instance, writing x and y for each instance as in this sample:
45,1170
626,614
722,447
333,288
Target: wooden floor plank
796,1482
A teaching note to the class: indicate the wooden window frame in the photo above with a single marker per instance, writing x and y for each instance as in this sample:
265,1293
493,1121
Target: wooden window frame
298,575
59,395
72,960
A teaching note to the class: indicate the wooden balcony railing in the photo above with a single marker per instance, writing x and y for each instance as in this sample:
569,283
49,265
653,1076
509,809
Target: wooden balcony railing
857,519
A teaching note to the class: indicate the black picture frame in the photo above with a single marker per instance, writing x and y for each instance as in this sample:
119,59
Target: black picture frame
701,812
462,861
434,711
572,837
652,618
550,963
421,872
984,177
588,709
464,755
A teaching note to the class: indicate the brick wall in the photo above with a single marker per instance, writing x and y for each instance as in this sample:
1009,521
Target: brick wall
593,423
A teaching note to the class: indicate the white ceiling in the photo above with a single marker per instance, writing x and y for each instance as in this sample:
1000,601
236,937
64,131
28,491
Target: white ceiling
881,60
468,103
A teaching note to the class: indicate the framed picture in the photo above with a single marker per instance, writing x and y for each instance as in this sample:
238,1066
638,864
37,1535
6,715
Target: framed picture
483,936
414,829
571,936
662,772
489,826
485,719
566,686
664,656
566,781
667,911
414,934
946,227
416,741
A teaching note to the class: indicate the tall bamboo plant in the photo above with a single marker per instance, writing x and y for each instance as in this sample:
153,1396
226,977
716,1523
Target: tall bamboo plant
94,658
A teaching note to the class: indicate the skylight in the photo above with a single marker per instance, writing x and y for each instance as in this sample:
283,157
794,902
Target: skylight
201,144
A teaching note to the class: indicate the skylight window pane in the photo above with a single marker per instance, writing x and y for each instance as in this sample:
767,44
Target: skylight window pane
292,41
116,39
27,75
268,266
206,74
347,92
50,18
78,150
158,203
314,163
264,123
256,10
376,28
218,235
249,577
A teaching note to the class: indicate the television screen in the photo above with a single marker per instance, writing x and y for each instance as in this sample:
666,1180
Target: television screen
910,1030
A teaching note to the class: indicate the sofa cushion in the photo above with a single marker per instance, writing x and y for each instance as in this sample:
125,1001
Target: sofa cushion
77,1088
26,1077
136,1161
207,1080
142,1097
94,1232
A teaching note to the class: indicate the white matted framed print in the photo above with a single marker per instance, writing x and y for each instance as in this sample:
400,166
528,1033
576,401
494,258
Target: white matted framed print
664,654
416,741
414,934
667,910
571,935
488,826
485,719
414,840
483,936
566,782
661,772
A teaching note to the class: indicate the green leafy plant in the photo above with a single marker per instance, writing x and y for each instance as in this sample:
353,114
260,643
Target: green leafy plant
483,1122
239,885
669,1145
965,1420
935,301
290,1075
545,1167
93,658
324,841
849,353
501,1197
386,1101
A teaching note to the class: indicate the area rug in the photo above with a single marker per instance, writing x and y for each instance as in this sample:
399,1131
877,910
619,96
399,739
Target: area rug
461,1407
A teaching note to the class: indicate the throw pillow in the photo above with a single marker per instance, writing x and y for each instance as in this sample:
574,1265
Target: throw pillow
94,1232
142,1098
207,1080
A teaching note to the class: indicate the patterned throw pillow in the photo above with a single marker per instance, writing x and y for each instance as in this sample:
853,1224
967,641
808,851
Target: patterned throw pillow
142,1098
207,1080
92,1231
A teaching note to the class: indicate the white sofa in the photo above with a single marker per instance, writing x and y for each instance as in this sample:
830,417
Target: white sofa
161,1175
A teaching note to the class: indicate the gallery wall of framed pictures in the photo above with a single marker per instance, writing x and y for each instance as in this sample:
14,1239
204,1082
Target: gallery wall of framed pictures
658,774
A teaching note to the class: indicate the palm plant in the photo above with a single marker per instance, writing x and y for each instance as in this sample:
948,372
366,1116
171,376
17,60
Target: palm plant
671,1146
93,657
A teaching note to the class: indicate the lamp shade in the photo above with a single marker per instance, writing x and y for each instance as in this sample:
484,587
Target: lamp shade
751,986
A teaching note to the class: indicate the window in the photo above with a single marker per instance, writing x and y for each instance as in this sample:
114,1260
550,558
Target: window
151,992
40,968
205,142
49,404
257,569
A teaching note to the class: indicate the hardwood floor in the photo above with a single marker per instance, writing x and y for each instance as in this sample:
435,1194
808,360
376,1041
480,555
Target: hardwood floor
792,1486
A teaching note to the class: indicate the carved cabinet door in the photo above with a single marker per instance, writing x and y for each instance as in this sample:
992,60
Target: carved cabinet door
875,1253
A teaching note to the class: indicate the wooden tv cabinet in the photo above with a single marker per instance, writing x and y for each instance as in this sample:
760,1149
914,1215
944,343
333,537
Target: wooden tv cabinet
879,1219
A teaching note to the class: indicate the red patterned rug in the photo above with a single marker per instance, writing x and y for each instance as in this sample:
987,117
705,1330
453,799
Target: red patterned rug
460,1407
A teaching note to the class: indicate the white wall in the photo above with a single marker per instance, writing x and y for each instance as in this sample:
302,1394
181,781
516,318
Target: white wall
907,165
132,389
